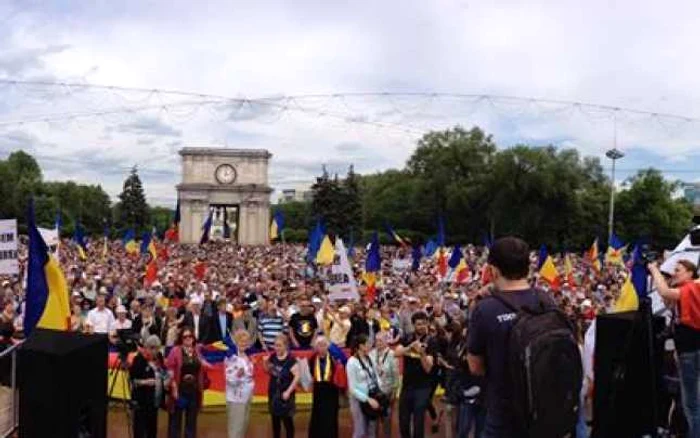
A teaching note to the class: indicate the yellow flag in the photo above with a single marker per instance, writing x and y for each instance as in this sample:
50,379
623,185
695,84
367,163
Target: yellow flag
326,253
628,300
274,234
548,271
56,315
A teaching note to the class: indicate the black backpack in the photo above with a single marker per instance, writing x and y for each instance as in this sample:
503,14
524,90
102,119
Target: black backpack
546,373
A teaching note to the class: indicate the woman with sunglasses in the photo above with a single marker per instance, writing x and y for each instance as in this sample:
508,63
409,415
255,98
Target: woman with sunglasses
148,382
186,368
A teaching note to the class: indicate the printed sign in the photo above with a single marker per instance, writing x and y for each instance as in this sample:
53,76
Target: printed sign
341,281
8,247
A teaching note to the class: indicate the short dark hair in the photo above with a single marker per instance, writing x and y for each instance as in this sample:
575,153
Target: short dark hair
419,316
511,256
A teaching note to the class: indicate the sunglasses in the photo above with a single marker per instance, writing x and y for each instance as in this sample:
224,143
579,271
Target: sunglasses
187,337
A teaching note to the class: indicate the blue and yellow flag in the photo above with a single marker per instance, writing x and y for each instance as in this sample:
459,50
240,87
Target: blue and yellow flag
129,241
635,286
326,253
47,302
277,226
79,238
315,239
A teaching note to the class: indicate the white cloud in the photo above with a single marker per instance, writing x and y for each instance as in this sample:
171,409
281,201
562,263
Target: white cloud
620,53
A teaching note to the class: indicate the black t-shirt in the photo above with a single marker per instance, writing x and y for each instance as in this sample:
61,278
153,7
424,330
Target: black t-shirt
414,376
304,328
489,329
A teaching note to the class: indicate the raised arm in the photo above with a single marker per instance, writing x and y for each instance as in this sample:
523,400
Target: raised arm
662,286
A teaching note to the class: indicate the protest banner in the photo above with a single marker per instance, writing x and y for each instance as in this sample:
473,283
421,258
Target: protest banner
341,282
8,247
50,236
400,266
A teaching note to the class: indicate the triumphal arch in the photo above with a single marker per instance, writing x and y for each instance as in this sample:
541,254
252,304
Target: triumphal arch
231,185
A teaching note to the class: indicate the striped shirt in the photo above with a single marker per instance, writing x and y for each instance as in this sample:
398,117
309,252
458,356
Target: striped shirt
269,326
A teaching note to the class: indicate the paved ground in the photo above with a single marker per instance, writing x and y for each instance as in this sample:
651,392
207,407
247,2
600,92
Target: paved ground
212,424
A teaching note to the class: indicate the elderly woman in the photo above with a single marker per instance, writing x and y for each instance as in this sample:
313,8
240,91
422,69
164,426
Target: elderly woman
686,294
388,372
239,386
324,410
148,382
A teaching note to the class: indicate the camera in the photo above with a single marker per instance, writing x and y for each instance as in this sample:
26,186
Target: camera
127,342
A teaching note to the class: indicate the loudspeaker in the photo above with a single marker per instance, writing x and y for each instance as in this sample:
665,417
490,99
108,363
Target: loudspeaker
63,385
627,366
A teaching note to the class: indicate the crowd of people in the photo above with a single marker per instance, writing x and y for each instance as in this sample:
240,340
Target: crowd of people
440,334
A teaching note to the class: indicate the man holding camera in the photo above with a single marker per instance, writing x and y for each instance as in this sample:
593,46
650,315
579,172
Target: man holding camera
686,294
418,352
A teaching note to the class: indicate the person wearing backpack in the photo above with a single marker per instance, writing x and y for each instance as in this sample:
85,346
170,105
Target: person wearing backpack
525,347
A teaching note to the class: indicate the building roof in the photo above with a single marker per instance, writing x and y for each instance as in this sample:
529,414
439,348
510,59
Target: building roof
227,152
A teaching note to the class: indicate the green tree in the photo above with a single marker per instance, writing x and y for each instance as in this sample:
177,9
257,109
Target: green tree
647,210
161,217
297,214
351,207
133,210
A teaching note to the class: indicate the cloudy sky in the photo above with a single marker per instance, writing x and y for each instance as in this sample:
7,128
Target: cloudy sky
292,77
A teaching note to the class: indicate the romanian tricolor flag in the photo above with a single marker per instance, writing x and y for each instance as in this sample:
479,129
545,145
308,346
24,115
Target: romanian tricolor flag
615,251
394,235
277,226
593,256
569,271
549,273
206,228
373,266
458,266
148,246
80,245
442,263
129,241
326,253
47,301
151,272
173,233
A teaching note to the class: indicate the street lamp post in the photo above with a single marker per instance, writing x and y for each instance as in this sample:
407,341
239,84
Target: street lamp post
614,154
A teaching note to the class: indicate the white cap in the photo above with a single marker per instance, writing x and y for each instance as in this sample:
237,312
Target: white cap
196,300
121,309
586,303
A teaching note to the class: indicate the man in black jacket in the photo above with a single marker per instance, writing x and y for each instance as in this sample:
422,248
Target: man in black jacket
195,319
221,324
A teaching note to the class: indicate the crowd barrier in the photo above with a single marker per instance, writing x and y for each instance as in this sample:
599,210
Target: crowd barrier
216,394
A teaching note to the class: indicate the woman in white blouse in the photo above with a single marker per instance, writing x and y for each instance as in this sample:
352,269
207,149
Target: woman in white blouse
239,386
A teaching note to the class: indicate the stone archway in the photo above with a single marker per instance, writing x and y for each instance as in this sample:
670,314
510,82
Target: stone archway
225,181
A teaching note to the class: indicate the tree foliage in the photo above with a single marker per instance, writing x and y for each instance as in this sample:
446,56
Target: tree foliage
338,203
132,208
21,178
543,194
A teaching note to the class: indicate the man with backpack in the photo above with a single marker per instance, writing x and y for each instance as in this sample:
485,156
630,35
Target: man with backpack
526,349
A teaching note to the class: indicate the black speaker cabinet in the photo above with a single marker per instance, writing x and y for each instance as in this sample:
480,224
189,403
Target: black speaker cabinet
627,364
63,385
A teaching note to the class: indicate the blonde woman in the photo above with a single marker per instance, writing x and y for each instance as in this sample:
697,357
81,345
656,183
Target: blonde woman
239,386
